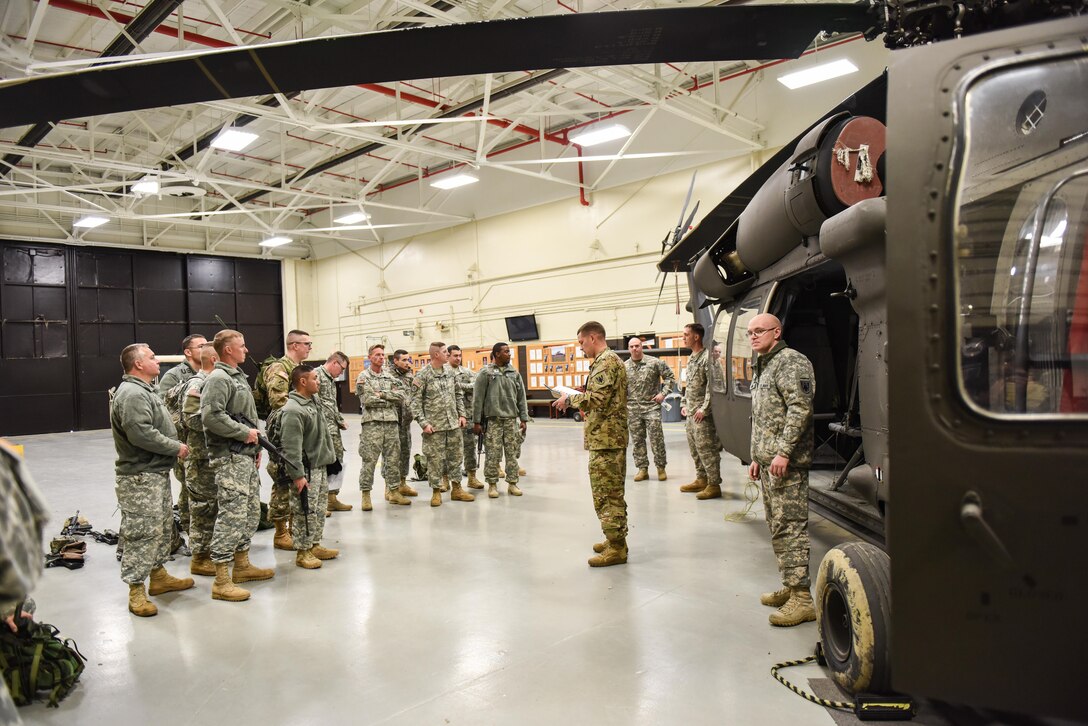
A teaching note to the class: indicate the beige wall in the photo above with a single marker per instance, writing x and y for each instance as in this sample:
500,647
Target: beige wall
562,261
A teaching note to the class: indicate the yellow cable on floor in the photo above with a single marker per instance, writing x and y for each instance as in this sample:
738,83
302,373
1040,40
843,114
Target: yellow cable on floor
751,496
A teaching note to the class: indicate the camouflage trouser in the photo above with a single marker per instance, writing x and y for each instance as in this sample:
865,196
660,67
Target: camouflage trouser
640,421
705,450
279,505
380,438
405,452
147,523
200,483
306,531
502,441
607,472
183,495
785,500
471,464
520,439
238,488
443,452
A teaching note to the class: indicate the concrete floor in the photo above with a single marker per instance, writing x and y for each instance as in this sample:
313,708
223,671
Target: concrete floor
473,613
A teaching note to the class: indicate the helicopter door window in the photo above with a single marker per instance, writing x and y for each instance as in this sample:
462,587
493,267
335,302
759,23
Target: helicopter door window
737,366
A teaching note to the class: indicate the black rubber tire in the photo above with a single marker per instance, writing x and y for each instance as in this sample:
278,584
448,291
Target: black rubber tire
853,614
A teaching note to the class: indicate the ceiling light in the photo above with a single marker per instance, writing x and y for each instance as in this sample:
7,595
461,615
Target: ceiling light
352,218
147,185
816,74
90,221
452,182
600,135
276,242
233,139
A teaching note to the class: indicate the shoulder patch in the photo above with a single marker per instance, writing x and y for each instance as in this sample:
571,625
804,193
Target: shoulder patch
806,386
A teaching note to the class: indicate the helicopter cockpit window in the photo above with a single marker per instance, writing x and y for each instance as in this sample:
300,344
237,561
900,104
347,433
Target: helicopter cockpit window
1022,219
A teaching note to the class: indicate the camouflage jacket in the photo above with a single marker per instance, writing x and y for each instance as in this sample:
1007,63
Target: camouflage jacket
646,379
465,380
143,435
604,403
697,393
437,399
190,411
403,382
227,392
333,418
177,374
783,386
277,381
379,395
304,435
500,393
22,519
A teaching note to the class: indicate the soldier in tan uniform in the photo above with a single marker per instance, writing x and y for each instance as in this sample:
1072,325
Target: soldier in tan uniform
604,404
439,409
199,474
380,399
403,377
703,439
649,380
327,374
277,386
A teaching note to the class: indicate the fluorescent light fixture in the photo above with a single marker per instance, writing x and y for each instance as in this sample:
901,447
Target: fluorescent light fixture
452,182
147,185
276,242
600,135
816,74
233,139
352,218
90,221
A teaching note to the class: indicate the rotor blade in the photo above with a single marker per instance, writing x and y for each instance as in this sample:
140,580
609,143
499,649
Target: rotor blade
687,224
552,41
683,210
664,279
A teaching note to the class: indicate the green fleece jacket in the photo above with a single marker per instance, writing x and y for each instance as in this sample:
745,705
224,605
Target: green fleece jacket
499,393
143,435
303,433
227,392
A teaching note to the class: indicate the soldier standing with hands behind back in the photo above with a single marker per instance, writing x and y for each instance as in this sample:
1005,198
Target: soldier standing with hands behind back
649,379
703,439
439,409
327,374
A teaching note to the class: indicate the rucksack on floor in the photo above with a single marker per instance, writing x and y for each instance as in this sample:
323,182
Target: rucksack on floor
419,466
35,661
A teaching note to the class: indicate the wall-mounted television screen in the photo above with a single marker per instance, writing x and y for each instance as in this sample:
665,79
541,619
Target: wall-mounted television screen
521,328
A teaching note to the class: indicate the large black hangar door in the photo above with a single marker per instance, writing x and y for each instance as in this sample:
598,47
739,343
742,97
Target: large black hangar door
36,381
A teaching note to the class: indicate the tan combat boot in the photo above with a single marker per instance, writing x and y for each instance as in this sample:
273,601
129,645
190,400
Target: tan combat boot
493,491
473,482
661,476
327,512
460,495
521,472
445,485
406,490
393,496
366,505
244,571
642,475
224,588
615,553
335,505
306,560
798,609
138,603
696,486
282,540
436,497
775,599
600,547
202,565
324,553
513,490
712,491
162,581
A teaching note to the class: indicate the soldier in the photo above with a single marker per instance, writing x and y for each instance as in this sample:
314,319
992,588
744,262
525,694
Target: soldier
783,386
277,385
649,379
199,476
439,409
605,406
147,447
327,374
465,380
499,402
402,376
190,348
234,456
702,436
381,400
308,448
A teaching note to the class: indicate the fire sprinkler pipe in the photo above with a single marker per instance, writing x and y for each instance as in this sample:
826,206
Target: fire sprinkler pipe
581,179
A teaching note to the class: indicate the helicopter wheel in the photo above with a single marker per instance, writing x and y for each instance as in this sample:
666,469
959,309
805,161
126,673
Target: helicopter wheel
853,614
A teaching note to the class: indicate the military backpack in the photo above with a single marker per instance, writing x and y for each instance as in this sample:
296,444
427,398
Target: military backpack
175,400
34,660
260,390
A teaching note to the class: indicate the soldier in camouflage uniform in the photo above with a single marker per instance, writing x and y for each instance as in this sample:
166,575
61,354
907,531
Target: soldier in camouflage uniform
403,377
783,386
190,348
199,476
307,446
277,384
465,380
327,374
22,518
499,401
381,400
439,409
147,447
649,380
702,435
233,454
604,404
